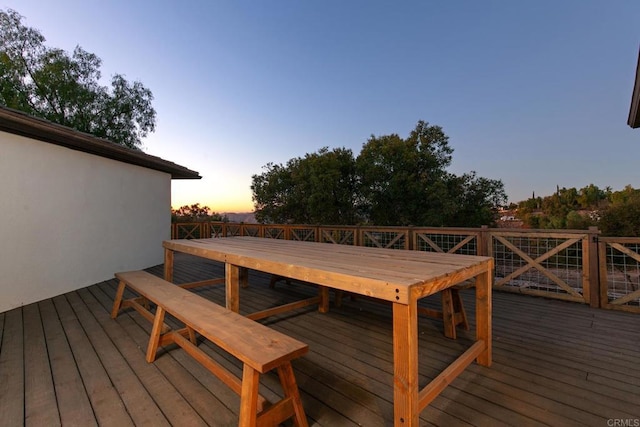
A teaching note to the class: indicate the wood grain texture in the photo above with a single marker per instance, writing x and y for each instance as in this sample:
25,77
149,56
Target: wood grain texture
554,362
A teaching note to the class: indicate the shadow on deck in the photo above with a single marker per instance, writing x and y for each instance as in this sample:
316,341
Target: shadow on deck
65,361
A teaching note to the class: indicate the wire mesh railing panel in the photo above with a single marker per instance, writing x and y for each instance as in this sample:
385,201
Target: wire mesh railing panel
273,232
563,264
233,230
447,243
623,274
389,239
338,236
189,231
216,230
539,265
303,234
251,230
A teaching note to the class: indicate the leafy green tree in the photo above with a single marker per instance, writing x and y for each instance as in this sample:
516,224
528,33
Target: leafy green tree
590,197
580,209
530,205
393,181
327,181
560,203
273,193
533,221
62,88
477,200
622,217
319,188
404,181
622,196
576,221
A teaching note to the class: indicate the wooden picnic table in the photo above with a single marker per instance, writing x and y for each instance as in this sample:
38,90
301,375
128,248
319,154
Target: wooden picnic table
399,276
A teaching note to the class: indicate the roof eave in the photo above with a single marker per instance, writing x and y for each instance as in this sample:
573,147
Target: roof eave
19,123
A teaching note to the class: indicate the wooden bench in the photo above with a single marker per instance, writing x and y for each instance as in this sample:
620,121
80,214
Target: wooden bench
258,347
141,304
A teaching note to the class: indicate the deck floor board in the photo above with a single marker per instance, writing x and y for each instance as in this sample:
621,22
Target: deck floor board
12,391
104,397
73,402
41,408
555,362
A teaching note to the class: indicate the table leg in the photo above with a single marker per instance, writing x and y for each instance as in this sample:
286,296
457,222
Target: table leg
232,287
323,293
405,364
483,315
244,277
168,265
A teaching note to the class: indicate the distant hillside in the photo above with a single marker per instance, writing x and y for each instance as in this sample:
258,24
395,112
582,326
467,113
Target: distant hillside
246,217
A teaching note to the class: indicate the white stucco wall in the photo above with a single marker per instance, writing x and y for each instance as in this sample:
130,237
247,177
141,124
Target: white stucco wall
70,219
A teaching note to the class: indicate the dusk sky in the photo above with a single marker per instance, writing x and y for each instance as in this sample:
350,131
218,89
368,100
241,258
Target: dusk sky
535,94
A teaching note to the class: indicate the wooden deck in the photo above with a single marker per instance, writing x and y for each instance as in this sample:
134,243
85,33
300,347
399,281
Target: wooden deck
65,361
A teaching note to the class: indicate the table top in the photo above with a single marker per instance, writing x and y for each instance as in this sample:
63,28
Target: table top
391,274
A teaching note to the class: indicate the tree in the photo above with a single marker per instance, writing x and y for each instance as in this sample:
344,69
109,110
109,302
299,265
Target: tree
317,189
194,213
393,181
590,197
326,186
272,193
65,89
622,217
575,221
404,181
477,200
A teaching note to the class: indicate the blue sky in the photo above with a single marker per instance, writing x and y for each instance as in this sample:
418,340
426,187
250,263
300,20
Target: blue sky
535,94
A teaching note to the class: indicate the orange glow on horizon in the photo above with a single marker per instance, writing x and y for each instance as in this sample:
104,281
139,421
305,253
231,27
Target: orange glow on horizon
217,207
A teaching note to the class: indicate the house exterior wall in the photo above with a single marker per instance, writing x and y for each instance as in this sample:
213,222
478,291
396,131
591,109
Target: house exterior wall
69,219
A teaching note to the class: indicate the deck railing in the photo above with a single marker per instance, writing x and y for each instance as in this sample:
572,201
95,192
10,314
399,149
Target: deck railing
571,265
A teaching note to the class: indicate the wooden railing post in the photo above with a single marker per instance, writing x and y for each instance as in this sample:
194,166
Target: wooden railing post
409,243
484,241
591,266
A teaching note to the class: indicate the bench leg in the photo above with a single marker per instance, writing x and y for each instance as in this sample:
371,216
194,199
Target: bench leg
192,336
118,300
448,315
249,397
458,308
288,381
156,331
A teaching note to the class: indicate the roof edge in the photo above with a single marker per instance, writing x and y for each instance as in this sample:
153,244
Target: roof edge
20,123
634,110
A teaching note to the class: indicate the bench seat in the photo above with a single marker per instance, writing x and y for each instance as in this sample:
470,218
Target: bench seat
259,348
